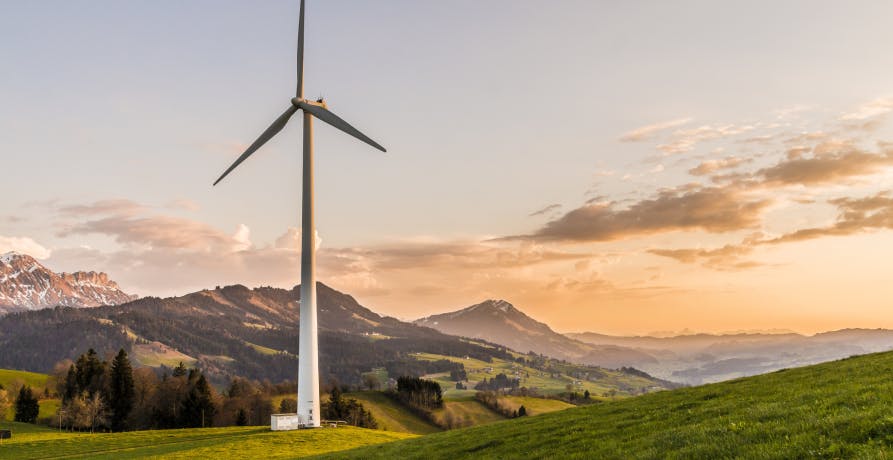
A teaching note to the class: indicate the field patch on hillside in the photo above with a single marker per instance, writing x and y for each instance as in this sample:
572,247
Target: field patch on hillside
390,415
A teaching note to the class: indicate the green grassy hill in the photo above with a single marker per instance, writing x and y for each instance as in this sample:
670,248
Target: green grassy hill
11,378
841,409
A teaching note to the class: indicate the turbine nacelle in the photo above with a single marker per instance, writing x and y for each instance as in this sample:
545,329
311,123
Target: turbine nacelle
300,103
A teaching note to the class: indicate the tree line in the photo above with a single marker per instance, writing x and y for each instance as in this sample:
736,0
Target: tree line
501,382
111,395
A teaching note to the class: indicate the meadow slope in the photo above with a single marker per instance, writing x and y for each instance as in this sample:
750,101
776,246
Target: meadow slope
840,409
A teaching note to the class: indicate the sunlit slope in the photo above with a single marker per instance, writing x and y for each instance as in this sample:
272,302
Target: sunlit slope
840,409
11,379
29,441
391,416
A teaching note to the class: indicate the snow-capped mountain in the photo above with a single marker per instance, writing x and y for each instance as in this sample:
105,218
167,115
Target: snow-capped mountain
25,284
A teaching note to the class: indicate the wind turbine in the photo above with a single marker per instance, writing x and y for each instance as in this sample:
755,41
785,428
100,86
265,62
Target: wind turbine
308,356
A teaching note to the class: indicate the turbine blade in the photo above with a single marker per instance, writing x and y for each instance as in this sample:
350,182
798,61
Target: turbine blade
266,136
300,90
327,116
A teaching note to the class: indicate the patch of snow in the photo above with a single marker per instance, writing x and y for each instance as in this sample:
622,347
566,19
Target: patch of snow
8,257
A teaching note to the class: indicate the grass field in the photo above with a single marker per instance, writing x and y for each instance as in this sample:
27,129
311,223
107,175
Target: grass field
466,412
535,406
390,415
30,441
155,354
841,409
262,349
10,377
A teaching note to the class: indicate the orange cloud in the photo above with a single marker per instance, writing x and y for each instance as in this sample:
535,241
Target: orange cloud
855,215
830,162
710,166
712,209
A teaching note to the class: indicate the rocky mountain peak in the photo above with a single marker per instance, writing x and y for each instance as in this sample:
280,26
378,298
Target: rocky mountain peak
26,284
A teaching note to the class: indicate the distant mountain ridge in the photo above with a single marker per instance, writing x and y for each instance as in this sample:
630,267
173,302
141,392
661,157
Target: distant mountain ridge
253,333
26,284
691,358
703,358
498,321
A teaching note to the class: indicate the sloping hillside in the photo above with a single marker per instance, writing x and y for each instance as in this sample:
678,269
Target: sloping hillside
841,409
230,331
234,330
391,416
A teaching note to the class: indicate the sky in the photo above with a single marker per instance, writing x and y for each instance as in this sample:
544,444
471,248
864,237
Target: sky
618,167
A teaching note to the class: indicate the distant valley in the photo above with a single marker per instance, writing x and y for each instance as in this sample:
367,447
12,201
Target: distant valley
691,359
704,358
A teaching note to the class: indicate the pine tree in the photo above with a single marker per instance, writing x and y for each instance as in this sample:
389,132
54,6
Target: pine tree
26,406
288,406
89,372
121,392
198,407
179,371
241,418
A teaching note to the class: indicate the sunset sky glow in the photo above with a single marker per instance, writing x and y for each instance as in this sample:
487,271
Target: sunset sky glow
618,167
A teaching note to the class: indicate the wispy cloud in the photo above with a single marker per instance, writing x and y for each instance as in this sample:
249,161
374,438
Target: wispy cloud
117,206
683,141
711,166
546,210
728,257
855,215
160,232
872,109
647,132
23,245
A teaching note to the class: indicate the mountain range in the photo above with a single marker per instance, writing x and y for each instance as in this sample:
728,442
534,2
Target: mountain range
25,284
704,358
253,333
690,359
239,331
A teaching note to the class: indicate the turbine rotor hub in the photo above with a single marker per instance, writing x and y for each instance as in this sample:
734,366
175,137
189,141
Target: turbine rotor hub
298,102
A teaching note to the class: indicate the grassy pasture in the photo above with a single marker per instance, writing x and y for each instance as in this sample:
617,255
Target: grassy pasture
841,409
31,442
392,416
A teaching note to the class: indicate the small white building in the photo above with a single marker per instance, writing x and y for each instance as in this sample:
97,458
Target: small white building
285,422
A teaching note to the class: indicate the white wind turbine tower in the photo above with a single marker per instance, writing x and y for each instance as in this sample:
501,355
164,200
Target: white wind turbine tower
308,356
